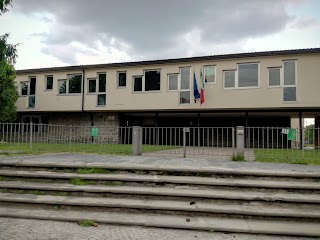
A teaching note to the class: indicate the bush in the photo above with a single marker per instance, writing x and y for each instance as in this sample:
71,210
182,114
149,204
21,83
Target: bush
238,157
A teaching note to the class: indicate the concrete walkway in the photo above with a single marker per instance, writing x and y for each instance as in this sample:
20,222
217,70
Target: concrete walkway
161,161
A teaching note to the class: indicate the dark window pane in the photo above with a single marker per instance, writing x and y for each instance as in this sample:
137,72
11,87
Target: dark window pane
289,73
31,101
137,84
289,94
248,75
92,86
32,86
75,84
274,77
102,82
62,86
152,80
229,79
122,79
101,99
24,88
49,82
184,97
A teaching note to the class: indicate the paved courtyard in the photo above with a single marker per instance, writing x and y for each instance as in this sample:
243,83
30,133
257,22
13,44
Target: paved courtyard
27,229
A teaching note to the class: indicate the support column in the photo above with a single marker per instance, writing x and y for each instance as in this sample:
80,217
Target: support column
136,140
317,132
300,131
240,140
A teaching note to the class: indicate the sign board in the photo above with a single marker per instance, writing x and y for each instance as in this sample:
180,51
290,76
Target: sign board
292,135
187,130
285,131
94,132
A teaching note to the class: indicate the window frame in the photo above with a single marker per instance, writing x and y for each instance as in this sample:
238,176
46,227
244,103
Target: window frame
295,80
67,85
144,80
27,83
215,73
281,78
133,83
98,85
46,82
235,76
105,102
88,81
184,90
168,82
118,79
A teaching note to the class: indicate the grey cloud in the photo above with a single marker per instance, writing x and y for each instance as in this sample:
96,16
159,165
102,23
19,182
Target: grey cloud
152,27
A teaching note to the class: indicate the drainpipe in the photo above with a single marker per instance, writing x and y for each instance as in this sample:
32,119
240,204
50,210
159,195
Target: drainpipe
83,82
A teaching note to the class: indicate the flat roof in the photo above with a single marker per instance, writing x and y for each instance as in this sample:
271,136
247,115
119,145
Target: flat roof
176,60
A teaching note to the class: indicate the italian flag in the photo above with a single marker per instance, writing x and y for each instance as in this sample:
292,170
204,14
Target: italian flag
202,88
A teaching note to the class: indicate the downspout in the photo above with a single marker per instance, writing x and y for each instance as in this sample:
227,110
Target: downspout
83,82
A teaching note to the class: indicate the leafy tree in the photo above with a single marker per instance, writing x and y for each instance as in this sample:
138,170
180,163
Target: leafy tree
3,6
309,134
8,52
8,92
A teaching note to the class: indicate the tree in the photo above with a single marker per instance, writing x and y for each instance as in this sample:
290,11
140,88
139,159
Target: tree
3,6
309,134
8,92
8,56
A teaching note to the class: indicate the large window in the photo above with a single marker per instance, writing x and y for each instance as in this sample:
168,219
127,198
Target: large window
184,90
137,83
248,75
289,81
173,82
152,80
75,83
210,74
49,82
122,79
274,77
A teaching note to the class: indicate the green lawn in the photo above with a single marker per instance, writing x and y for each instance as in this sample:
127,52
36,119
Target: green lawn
122,149
293,156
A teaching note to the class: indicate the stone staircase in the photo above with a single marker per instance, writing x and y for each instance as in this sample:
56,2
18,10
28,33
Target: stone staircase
212,199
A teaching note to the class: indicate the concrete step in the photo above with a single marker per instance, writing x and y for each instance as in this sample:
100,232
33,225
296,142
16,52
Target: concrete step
244,194
168,221
149,167
247,209
230,182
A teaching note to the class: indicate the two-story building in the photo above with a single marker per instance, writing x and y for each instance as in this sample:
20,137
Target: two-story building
248,89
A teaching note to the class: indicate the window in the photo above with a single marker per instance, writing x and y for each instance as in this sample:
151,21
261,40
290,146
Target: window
274,77
210,74
32,86
289,77
152,80
62,84
184,92
173,82
75,83
102,82
92,85
229,79
101,100
24,88
49,82
31,101
248,75
137,84
122,79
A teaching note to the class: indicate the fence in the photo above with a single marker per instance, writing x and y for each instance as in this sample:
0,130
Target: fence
259,142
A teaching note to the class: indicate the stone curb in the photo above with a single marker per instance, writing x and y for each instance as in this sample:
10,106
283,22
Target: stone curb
165,191
213,170
255,183
179,222
252,209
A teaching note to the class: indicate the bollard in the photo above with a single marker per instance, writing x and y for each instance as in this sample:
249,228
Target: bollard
136,140
240,140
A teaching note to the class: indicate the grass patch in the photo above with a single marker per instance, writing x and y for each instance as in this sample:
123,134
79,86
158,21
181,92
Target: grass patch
291,156
238,157
87,223
2,178
80,181
38,148
94,170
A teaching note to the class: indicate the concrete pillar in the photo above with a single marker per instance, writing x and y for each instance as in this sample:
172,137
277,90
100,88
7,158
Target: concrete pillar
136,140
240,140
317,132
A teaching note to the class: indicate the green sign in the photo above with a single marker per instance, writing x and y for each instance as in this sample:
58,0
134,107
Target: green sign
292,134
94,132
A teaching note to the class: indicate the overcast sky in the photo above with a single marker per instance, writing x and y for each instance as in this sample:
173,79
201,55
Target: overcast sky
71,32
